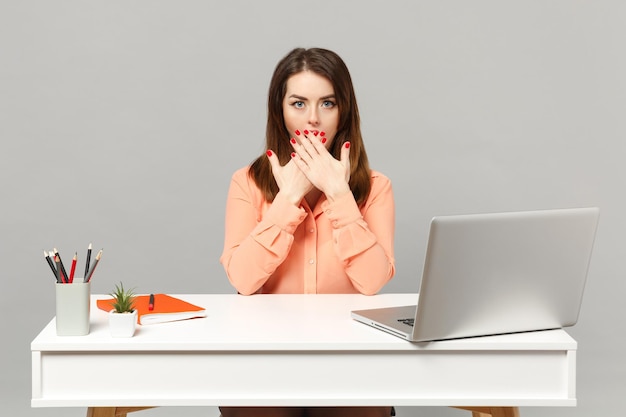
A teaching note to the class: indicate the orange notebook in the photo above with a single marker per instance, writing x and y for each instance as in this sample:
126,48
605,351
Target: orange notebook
166,308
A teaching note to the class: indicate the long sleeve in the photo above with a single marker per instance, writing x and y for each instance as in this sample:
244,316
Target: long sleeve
363,239
255,243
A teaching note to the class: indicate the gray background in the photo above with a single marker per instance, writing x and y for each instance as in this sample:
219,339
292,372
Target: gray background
122,121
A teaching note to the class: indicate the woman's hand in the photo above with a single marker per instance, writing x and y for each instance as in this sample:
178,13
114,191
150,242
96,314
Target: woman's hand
291,181
322,170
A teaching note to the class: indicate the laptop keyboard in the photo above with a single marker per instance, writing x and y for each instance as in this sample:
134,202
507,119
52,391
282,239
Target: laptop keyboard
408,322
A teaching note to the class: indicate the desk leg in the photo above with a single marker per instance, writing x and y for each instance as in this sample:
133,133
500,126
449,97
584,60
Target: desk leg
112,411
492,411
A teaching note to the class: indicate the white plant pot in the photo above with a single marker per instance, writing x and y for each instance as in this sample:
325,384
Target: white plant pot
122,324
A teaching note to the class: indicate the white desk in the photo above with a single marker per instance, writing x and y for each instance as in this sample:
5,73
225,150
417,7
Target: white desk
289,350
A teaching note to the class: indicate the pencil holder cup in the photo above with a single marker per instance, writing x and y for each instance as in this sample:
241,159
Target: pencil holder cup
72,308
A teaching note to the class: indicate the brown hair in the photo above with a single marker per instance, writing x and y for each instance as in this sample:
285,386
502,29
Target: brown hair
329,65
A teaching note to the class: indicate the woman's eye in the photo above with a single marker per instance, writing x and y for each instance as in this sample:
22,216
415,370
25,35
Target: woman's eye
328,104
298,104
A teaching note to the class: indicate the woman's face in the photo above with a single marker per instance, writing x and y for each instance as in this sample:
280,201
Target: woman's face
310,104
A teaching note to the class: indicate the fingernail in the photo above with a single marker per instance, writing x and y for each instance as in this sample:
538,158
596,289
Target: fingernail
269,153
315,133
297,132
293,141
347,145
293,154
306,132
322,133
323,140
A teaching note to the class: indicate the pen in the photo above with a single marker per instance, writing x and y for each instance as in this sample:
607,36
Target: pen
151,302
49,260
73,268
93,267
64,275
88,260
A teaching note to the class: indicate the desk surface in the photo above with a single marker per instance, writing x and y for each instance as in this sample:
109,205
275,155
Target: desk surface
296,350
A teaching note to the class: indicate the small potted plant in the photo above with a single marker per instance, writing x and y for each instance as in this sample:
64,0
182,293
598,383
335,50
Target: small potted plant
123,317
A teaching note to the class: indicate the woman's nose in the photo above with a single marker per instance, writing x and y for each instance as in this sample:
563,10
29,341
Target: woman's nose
314,117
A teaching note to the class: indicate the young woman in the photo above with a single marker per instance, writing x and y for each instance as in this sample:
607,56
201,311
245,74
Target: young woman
309,216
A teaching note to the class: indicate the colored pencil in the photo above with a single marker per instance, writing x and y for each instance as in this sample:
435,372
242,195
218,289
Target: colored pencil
93,267
73,268
57,260
64,276
49,260
87,261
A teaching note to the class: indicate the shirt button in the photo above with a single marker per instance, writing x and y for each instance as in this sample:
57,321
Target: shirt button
312,230
329,211
311,261
335,223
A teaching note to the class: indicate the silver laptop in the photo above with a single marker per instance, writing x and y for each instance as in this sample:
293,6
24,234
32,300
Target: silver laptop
487,274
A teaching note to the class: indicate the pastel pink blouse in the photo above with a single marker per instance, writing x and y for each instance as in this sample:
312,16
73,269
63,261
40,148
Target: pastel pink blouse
334,247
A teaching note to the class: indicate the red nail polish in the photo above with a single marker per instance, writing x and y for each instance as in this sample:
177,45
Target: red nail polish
322,133
315,133
323,140
293,154
347,145
297,132
306,132
293,141
269,153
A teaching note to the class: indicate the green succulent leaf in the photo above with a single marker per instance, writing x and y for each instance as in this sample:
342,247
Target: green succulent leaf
123,299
